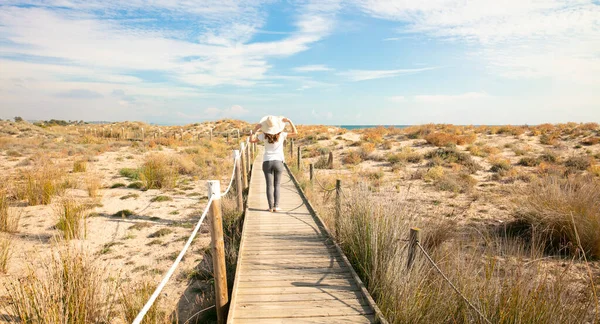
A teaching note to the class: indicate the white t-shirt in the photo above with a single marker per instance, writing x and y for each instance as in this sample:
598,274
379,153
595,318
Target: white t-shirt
273,152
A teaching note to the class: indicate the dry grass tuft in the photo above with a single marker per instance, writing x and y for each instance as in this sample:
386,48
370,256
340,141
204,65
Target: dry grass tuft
158,172
40,184
5,253
71,218
554,207
69,288
9,217
80,166
135,296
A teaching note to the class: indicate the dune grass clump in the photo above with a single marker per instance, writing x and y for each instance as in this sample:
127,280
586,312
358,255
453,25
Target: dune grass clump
130,173
80,166
158,172
134,296
9,217
560,209
5,253
71,218
69,288
451,155
353,158
40,184
92,185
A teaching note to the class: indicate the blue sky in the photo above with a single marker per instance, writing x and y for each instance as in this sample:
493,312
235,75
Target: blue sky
316,62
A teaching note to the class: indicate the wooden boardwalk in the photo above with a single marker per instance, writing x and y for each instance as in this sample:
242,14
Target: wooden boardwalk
288,269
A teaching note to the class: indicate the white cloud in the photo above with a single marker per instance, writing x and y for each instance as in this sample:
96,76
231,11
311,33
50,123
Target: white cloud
91,35
361,75
312,68
451,98
516,36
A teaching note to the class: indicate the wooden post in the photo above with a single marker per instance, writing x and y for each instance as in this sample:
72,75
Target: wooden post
248,161
338,204
244,174
299,158
311,172
143,137
238,180
111,133
218,251
330,160
252,157
181,132
413,239
291,148
122,133
238,134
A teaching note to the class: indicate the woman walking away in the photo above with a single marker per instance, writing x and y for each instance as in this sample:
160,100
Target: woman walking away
273,136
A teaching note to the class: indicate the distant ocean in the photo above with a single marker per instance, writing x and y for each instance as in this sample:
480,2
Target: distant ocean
351,127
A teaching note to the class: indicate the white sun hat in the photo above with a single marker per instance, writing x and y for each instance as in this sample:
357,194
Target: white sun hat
272,124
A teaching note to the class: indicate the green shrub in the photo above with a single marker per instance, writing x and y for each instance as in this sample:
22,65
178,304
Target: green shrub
451,155
129,173
123,213
529,161
161,198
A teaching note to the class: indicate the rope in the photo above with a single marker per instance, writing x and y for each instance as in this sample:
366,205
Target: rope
320,185
162,284
232,176
451,284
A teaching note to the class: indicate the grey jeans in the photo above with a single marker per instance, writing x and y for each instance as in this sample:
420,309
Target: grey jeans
273,170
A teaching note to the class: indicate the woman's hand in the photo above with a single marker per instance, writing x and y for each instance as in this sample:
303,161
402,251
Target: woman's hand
285,120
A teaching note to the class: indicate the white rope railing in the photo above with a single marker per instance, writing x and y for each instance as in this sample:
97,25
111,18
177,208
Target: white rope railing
138,319
237,156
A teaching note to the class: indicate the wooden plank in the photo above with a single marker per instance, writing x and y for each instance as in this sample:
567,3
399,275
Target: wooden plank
304,309
297,277
300,297
295,290
311,320
325,283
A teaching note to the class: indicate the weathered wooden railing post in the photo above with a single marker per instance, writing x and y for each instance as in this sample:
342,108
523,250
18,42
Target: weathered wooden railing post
238,180
413,239
143,137
111,133
122,133
248,161
251,148
243,166
218,251
311,172
338,205
291,148
299,158
330,160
